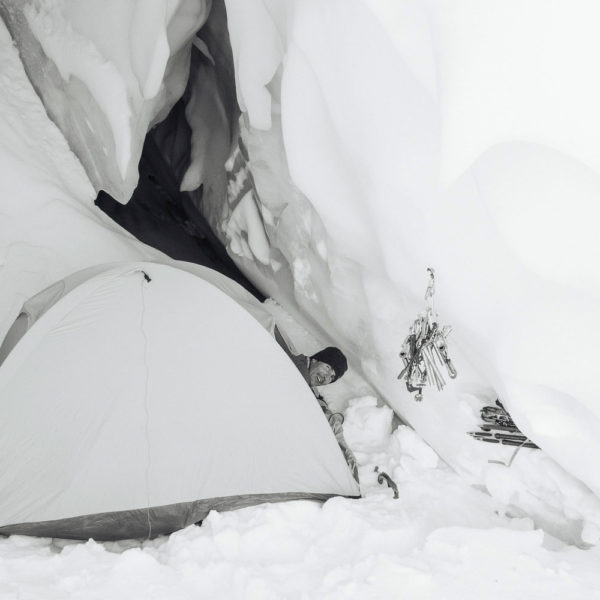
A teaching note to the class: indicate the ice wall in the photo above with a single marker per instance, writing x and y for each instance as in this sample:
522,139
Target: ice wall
460,136
106,71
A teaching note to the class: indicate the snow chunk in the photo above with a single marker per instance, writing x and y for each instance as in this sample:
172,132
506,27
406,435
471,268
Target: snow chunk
367,427
591,534
411,451
246,232
303,284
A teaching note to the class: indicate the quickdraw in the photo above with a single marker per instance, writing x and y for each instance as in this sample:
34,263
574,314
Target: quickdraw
425,350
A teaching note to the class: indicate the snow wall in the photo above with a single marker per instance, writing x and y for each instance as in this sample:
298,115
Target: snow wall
417,135
383,138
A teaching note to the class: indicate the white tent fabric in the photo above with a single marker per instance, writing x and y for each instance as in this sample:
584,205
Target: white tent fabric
37,305
146,388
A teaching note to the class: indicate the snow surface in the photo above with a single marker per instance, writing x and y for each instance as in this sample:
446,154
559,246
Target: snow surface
440,539
360,271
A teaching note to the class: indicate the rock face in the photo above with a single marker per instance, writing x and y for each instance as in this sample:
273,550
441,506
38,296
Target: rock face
106,72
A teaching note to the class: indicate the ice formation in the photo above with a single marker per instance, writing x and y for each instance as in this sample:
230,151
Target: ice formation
107,71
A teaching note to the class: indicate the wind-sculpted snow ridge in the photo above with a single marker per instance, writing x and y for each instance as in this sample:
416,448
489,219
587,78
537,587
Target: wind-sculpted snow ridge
106,72
422,135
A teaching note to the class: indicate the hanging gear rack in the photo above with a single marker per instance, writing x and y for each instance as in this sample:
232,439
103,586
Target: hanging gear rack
425,351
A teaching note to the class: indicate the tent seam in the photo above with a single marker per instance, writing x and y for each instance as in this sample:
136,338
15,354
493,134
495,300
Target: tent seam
144,280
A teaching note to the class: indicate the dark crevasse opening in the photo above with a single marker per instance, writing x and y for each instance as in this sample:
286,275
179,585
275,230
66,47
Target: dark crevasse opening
159,213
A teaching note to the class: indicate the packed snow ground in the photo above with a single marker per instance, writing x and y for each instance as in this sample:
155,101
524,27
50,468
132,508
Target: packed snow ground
441,539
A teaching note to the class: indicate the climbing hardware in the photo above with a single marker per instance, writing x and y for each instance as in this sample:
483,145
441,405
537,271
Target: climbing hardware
425,350
498,427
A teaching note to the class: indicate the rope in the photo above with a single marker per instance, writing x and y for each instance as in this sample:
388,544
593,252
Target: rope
510,462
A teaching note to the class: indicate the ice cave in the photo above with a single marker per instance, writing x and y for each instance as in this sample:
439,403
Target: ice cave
350,163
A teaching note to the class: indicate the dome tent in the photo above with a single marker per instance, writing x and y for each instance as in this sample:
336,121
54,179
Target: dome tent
143,397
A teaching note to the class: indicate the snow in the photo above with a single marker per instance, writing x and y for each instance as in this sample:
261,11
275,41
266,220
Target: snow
76,56
384,176
48,227
246,232
440,539
257,51
149,39
504,75
119,64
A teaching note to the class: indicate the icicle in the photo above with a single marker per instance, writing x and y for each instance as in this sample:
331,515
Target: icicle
425,351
